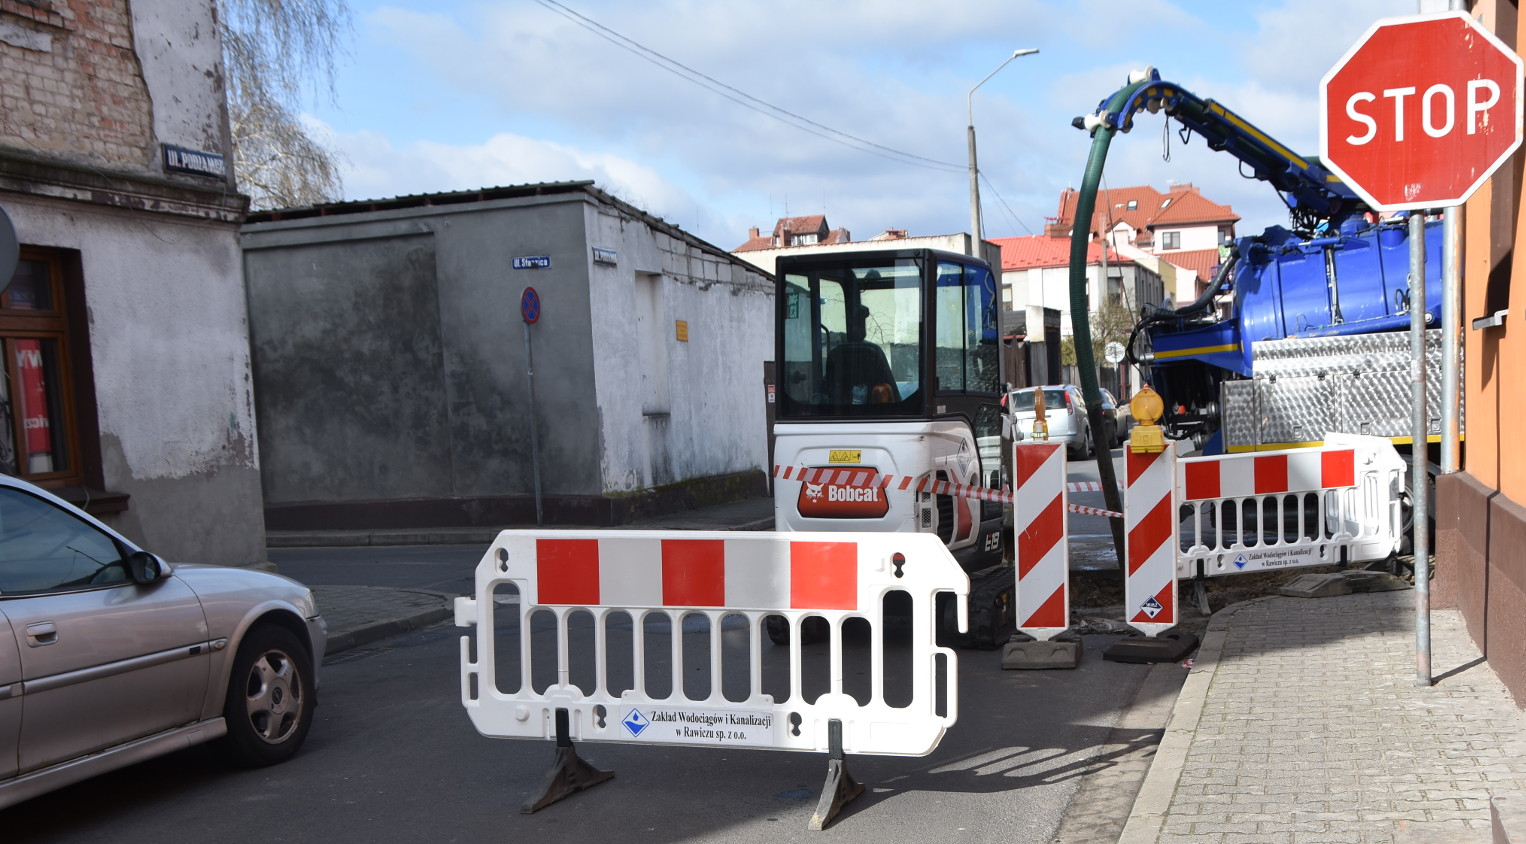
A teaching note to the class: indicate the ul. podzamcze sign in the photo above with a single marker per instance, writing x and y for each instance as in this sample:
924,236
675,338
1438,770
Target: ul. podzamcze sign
1421,111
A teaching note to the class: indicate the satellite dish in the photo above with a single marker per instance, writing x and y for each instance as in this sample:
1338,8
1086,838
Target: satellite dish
10,250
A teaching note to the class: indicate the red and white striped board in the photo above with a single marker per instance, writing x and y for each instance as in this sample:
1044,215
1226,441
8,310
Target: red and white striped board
859,477
1150,540
1242,475
650,571
1042,554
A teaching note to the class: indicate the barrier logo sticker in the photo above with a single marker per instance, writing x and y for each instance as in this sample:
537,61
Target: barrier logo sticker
1240,561
636,723
1151,607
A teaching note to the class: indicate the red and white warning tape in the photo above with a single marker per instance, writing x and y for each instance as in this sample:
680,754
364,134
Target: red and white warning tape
870,479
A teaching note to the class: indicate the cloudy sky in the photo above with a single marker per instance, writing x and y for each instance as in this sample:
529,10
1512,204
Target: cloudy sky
719,115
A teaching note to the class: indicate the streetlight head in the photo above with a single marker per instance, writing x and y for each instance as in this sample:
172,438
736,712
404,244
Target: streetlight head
1027,51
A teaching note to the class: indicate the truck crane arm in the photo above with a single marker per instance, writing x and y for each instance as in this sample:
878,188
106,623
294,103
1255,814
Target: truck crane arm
1312,193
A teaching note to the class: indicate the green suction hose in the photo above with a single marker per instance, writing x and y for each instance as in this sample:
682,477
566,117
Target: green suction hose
1080,310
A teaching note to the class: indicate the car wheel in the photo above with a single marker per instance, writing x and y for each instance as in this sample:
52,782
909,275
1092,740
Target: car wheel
270,698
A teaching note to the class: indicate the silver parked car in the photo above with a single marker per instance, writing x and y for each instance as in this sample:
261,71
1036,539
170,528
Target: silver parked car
109,655
1065,416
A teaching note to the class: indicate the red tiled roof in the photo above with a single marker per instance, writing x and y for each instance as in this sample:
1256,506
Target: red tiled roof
755,243
797,225
1184,205
1022,253
786,226
1203,261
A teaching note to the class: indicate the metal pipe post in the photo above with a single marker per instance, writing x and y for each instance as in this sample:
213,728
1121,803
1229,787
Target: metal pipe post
1419,471
974,197
1451,339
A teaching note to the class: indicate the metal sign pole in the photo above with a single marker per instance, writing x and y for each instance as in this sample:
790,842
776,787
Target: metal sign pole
1419,449
529,309
534,444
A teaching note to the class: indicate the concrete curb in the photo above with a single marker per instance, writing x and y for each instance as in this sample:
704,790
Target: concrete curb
453,536
1154,801
367,632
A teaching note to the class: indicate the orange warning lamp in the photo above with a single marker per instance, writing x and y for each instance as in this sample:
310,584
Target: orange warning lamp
1040,424
1146,437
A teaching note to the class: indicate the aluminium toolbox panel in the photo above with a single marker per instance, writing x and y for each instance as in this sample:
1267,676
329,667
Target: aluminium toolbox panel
1308,386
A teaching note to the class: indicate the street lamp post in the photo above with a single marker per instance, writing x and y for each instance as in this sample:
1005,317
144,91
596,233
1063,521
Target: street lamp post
969,106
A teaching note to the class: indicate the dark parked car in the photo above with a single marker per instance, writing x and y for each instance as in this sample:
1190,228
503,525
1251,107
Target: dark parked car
109,655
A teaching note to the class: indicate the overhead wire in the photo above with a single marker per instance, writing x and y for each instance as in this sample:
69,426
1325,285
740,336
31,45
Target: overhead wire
744,99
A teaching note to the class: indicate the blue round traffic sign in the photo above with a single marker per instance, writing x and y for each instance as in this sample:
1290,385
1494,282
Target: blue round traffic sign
529,305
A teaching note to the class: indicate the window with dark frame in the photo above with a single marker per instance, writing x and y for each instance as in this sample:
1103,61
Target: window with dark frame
1170,240
39,434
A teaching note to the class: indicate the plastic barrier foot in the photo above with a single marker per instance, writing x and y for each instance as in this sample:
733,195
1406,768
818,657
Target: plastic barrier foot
841,788
1200,595
1024,652
1170,646
569,774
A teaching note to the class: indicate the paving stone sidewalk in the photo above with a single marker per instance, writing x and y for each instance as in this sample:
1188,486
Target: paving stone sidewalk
1302,721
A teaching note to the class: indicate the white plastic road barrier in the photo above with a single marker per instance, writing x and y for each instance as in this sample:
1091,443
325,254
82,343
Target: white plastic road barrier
1292,508
624,579
1150,540
1042,553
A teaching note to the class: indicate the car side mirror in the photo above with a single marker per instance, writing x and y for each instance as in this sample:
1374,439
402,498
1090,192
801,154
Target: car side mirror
144,568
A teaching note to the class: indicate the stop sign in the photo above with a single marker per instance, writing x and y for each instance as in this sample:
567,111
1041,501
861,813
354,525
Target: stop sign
1420,111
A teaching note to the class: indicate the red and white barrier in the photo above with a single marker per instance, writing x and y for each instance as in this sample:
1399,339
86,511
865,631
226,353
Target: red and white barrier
1150,540
1042,553
616,581
1286,509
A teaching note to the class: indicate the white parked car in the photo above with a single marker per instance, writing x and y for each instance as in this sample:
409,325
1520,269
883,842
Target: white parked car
109,655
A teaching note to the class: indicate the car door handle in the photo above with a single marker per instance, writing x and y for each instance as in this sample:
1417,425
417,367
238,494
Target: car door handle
41,633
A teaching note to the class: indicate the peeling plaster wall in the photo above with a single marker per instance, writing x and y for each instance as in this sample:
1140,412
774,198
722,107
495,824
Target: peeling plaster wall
169,342
713,418
181,58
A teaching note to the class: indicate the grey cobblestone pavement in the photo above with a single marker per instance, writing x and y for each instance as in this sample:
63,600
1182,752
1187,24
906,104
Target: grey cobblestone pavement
1303,721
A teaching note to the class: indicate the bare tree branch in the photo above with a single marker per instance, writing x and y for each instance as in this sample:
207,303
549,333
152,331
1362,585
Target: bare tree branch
275,52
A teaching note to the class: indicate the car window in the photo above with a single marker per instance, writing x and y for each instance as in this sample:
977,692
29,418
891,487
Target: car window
1022,401
45,548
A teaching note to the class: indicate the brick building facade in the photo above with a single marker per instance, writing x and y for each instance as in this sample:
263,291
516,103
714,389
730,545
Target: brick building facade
127,384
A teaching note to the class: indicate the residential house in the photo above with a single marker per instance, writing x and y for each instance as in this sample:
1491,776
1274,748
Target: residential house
505,356
1035,273
126,364
1180,226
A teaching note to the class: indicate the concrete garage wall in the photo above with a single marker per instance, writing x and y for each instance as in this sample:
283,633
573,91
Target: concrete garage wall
348,358
392,381
696,407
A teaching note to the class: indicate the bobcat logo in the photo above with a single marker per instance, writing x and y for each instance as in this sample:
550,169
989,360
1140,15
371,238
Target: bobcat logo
813,491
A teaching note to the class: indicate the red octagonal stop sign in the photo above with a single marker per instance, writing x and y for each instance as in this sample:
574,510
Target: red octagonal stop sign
1421,111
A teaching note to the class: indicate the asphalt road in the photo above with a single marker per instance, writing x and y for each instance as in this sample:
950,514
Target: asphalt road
394,757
